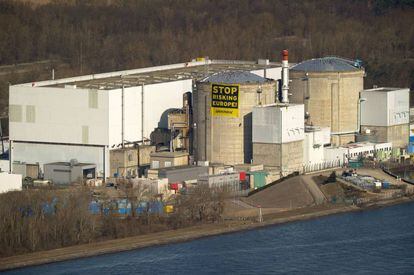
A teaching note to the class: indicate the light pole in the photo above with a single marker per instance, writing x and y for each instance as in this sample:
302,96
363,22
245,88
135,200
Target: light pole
359,113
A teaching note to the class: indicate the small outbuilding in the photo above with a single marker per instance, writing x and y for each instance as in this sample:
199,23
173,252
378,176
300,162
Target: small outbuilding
69,172
169,159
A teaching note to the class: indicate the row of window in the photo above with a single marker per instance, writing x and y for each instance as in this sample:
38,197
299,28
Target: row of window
156,164
386,149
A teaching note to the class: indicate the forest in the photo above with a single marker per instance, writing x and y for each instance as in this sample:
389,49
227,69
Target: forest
92,36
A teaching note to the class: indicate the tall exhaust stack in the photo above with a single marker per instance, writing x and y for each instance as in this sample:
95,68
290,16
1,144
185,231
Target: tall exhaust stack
285,76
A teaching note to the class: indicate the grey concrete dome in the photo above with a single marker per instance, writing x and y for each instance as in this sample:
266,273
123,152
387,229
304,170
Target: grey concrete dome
326,64
234,77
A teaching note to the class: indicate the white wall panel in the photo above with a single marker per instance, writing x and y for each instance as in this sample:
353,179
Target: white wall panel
158,98
293,121
4,165
374,109
266,125
133,111
278,124
10,182
58,114
272,73
115,117
335,154
47,153
383,108
132,115
398,105
312,154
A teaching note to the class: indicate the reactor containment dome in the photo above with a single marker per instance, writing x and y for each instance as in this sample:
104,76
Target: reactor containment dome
329,88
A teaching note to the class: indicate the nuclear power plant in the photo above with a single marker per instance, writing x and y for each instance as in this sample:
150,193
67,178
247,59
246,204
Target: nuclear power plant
266,119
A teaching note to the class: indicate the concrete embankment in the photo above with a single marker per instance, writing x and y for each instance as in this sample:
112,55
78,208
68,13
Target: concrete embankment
174,236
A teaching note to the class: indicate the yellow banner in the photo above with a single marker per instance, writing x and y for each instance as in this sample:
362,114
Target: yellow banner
225,100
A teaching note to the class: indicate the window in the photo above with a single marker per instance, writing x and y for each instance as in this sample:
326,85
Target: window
155,164
167,164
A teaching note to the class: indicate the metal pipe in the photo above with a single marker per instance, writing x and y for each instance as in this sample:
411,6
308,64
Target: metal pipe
104,163
138,162
10,155
344,133
285,76
359,113
281,145
142,111
123,117
1,136
205,128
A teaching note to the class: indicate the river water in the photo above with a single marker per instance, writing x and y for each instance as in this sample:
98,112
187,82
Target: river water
378,241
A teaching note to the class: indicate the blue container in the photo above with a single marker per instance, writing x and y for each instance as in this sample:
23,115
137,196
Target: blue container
156,207
124,207
142,208
410,147
26,211
94,208
106,211
49,208
124,211
385,185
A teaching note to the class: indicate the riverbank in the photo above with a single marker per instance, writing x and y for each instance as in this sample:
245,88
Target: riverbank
181,235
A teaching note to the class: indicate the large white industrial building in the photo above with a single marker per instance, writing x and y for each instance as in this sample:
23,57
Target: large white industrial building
84,117
385,114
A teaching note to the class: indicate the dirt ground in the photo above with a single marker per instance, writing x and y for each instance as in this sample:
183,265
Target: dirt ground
289,194
303,192
294,193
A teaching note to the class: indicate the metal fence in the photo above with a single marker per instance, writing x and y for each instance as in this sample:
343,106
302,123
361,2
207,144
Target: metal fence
322,166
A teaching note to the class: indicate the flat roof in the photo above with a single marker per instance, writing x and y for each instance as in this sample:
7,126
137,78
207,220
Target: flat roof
169,154
357,145
197,70
363,144
278,104
61,163
385,89
180,167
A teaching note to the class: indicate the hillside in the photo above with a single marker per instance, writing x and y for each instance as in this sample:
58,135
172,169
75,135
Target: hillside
97,36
